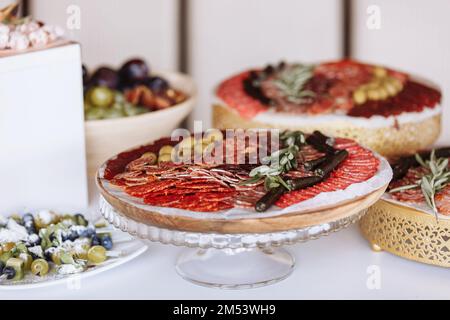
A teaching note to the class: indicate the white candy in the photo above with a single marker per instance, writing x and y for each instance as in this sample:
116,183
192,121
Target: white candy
54,32
4,40
38,38
4,29
28,34
18,41
28,27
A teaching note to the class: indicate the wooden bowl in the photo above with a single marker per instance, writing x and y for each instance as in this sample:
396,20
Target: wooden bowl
105,138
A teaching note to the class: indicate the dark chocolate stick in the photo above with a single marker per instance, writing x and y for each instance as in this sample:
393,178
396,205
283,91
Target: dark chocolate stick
401,167
321,173
304,182
320,142
323,168
312,164
274,194
269,198
327,167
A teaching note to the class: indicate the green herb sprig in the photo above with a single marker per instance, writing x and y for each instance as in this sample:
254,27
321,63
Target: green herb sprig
291,83
433,182
279,162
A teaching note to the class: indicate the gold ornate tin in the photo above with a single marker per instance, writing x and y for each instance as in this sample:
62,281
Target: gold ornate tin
407,232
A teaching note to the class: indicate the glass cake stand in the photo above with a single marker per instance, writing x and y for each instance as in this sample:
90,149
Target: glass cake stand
229,261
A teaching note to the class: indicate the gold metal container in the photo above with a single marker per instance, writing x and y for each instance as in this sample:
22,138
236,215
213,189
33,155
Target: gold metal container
408,233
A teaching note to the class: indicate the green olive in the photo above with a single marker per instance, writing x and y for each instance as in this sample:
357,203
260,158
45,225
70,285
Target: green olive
39,267
187,143
27,260
97,254
82,254
87,105
101,97
397,84
212,135
151,157
114,114
18,266
5,256
380,72
166,150
390,88
118,97
373,94
130,110
95,113
56,258
359,96
165,158
383,93
118,106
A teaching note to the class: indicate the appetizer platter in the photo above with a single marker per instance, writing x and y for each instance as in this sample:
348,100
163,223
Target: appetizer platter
412,218
130,105
388,111
45,248
195,189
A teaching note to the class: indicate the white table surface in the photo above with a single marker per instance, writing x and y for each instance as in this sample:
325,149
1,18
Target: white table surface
333,267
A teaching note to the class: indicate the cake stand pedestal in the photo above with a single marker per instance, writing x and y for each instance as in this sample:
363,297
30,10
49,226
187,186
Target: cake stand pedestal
229,261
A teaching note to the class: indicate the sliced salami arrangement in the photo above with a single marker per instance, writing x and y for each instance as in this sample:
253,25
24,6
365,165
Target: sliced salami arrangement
218,171
411,219
423,181
379,107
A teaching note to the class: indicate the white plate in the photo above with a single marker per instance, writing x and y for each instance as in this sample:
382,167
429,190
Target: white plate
129,247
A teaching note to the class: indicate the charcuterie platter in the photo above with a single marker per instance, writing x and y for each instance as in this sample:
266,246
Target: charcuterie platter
234,198
389,111
412,219
307,184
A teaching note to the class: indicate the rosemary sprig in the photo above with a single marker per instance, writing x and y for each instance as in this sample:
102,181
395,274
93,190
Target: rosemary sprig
279,162
431,183
292,80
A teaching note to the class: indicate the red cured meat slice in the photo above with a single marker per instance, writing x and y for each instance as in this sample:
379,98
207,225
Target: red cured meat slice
415,195
354,169
232,93
141,190
443,201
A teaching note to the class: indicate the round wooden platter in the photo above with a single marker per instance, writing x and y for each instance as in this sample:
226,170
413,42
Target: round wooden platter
242,225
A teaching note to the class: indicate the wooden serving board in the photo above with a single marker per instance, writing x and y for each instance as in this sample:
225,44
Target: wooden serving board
243,225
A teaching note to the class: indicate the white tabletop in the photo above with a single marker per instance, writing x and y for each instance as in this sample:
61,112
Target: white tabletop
335,267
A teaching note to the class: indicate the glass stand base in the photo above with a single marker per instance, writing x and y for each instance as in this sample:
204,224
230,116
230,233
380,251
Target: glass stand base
235,268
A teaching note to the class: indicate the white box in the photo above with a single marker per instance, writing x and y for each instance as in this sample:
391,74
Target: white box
42,147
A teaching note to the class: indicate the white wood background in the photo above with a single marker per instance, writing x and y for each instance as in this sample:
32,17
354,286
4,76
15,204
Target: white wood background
231,35
225,36
112,31
414,36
